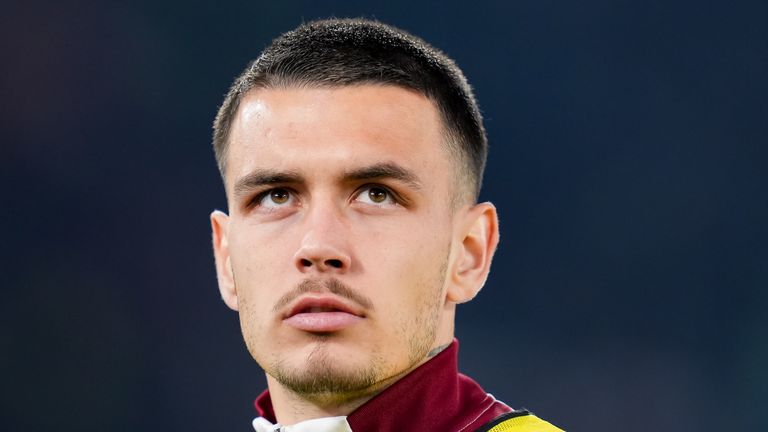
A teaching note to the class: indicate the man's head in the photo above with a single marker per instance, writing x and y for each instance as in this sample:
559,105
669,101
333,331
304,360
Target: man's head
346,249
335,53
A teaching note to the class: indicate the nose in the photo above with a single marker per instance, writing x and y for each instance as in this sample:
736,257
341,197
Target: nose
324,245
322,258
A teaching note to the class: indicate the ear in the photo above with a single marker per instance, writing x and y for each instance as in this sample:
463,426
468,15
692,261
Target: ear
220,229
478,237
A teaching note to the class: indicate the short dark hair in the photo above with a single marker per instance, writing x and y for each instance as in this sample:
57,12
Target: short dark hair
341,52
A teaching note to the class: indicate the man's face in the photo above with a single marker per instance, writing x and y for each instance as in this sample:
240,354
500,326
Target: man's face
340,233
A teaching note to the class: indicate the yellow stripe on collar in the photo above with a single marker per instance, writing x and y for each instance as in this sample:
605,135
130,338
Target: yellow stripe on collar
526,423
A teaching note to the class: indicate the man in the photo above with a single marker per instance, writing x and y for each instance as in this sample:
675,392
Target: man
352,155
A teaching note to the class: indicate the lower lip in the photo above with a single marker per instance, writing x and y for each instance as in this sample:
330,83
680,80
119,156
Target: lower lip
322,321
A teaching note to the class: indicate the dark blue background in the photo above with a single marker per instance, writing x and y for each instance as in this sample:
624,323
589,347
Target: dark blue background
628,162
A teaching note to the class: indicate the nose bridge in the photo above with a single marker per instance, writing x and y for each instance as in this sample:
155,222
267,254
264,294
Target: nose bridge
324,244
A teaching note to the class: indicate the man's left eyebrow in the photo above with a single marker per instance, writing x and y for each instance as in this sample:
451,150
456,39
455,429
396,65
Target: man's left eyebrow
385,170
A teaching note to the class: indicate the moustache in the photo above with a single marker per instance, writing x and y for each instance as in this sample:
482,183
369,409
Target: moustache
333,286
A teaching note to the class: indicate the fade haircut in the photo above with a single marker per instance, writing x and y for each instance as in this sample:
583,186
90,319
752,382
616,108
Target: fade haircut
348,52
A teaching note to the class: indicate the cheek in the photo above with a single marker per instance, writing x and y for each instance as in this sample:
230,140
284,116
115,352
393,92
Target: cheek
260,260
408,266
259,267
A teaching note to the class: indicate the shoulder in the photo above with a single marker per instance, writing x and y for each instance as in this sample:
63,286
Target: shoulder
518,421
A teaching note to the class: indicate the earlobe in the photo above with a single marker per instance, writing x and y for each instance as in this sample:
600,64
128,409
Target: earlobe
478,238
220,230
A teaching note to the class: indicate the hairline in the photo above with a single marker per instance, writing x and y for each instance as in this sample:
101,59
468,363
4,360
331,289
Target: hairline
465,186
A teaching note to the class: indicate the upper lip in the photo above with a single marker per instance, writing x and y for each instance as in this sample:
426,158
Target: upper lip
330,302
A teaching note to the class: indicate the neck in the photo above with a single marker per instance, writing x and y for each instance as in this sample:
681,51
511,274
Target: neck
291,407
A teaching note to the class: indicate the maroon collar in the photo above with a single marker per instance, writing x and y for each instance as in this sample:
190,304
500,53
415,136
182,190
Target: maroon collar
433,396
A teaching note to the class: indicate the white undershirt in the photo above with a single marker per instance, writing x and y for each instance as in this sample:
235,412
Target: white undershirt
325,424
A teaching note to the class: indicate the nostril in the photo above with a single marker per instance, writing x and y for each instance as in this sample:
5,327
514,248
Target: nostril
308,263
334,263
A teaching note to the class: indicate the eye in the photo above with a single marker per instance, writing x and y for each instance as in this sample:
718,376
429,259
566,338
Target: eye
376,195
273,198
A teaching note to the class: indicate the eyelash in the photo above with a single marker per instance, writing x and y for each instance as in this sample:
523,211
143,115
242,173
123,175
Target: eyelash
261,195
395,196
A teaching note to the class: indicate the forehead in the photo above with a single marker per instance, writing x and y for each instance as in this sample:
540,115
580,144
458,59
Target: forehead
305,128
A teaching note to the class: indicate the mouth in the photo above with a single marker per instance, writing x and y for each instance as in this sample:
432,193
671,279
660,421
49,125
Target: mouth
322,314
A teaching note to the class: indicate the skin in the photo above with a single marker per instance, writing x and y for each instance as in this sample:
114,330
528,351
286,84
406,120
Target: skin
352,185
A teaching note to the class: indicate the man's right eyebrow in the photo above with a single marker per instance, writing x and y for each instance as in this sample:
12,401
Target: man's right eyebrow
261,177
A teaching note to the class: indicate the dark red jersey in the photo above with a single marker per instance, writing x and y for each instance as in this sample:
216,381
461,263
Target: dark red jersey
433,397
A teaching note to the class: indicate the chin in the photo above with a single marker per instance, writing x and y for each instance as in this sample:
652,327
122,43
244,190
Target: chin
327,371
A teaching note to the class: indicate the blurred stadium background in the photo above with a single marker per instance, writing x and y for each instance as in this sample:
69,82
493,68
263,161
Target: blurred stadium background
629,159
